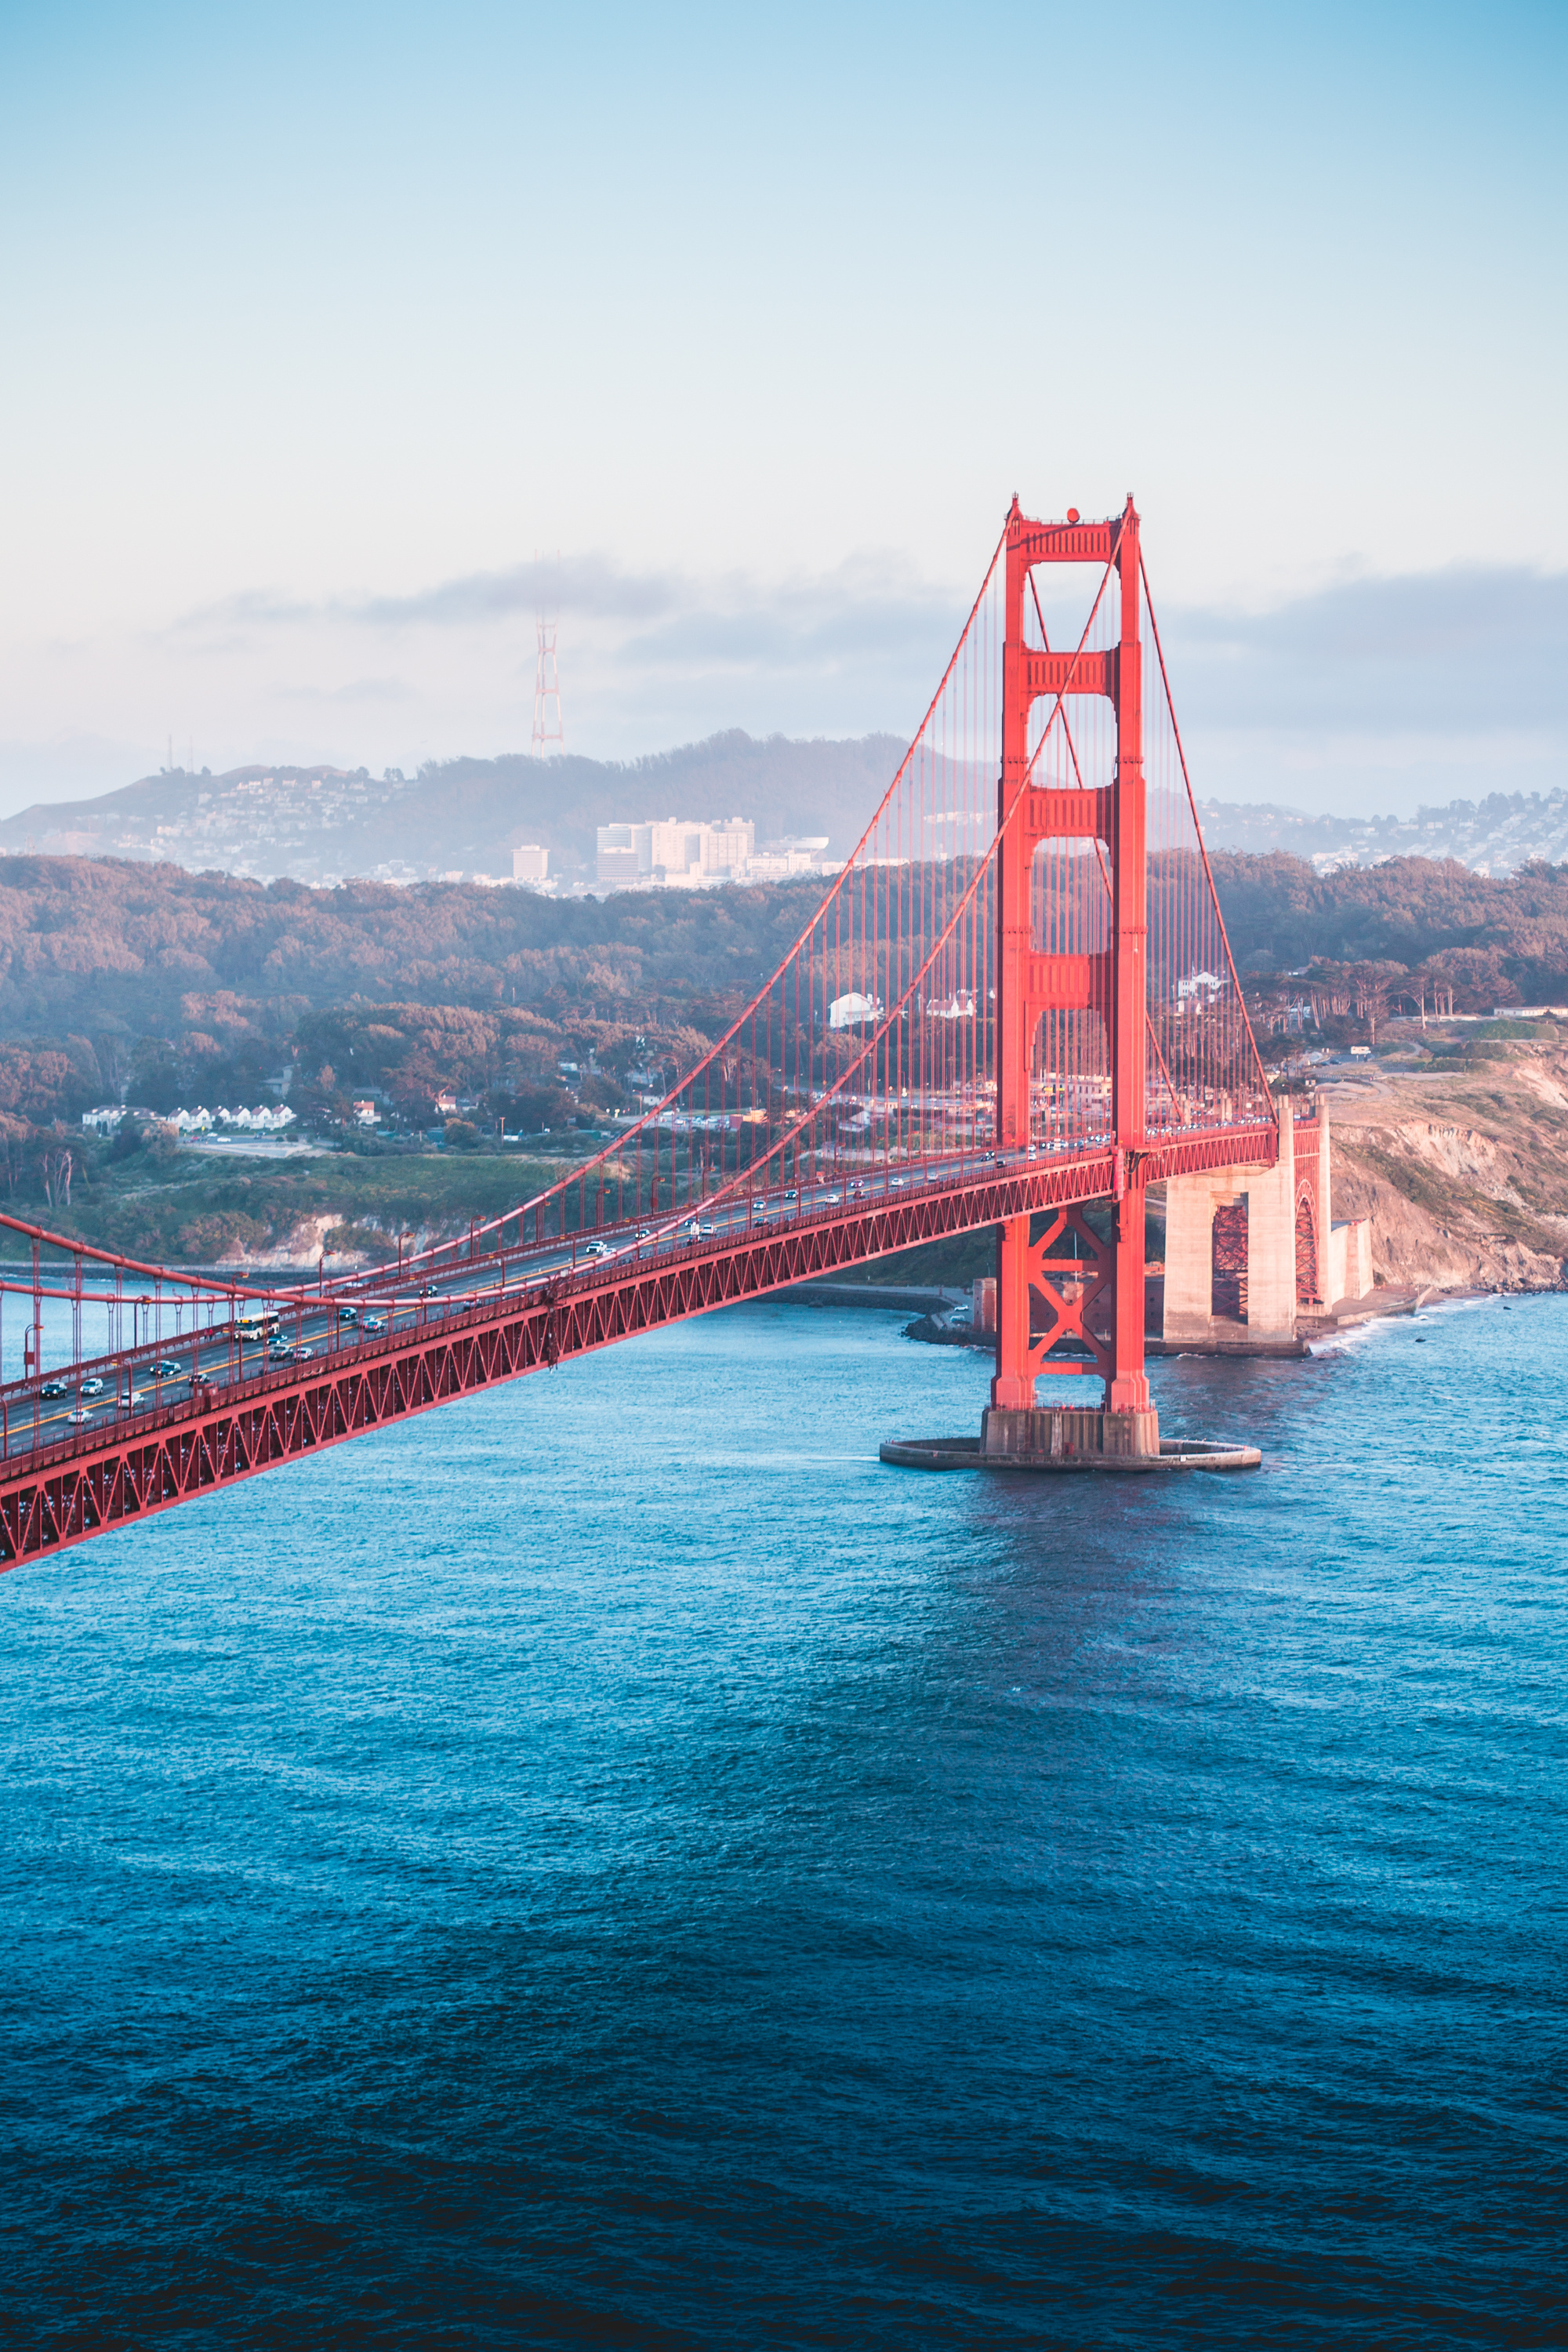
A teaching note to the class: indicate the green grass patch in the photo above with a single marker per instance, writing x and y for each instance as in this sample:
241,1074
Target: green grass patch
950,1264
194,1211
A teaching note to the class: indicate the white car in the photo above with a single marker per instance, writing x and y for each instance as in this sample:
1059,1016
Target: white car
597,1249
92,1387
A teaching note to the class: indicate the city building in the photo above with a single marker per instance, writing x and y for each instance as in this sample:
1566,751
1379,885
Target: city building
796,853
694,852
624,854
530,863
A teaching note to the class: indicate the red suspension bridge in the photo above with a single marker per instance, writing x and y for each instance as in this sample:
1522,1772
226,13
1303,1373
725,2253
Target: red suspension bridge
1017,1000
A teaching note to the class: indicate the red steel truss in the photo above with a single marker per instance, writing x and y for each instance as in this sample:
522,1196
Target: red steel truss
104,1478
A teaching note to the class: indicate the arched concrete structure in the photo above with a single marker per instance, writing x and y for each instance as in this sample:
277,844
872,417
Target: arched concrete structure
1296,1188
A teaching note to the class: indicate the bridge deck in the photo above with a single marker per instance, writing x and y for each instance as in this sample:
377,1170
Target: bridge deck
498,1315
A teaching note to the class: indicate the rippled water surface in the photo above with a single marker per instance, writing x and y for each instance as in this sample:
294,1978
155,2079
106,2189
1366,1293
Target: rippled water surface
612,1862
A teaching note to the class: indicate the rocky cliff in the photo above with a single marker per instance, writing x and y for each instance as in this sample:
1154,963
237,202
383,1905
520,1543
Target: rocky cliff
1464,1175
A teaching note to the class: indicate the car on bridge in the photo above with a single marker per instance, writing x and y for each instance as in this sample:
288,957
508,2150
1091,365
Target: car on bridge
79,1413
54,1388
92,1387
166,1371
597,1249
348,1314
374,1324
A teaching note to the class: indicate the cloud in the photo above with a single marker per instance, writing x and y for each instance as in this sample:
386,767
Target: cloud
1400,687
865,613
590,586
1473,649
858,648
594,586
596,589
360,691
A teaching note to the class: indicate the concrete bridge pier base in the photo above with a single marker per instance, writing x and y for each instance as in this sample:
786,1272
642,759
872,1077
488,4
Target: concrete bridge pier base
1268,1197
1059,1432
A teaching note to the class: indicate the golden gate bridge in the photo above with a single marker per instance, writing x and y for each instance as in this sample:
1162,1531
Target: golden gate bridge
1036,1013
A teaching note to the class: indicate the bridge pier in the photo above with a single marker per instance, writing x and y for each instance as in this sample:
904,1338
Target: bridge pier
1057,1432
1250,1250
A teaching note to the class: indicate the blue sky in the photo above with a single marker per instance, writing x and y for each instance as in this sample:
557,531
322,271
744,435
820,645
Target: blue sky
320,323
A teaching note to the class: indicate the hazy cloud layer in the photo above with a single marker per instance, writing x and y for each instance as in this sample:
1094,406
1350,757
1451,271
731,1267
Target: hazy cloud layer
656,617
1370,693
1467,648
1472,648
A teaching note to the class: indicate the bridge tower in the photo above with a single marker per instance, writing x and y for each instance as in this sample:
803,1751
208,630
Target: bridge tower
1111,982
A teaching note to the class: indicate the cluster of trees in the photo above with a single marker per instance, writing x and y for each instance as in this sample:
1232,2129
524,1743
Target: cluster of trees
97,947
504,1066
147,983
1494,940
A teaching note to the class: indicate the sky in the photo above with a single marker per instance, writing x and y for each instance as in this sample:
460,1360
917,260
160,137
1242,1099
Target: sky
334,338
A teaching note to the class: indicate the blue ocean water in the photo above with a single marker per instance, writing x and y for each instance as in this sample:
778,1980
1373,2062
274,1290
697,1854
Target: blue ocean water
611,1862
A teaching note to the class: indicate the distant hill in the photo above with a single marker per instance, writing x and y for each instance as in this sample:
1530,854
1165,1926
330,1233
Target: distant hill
1496,835
461,818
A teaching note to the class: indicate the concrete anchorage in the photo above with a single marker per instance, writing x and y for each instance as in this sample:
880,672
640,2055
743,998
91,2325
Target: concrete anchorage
1301,1266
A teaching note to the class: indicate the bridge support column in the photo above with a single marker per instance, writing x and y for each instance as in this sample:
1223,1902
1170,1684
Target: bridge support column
1110,983
1269,1198
1271,1240
1189,1255
1014,1386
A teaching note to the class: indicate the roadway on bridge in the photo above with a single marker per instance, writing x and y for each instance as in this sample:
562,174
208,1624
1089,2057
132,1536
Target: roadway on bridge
168,1373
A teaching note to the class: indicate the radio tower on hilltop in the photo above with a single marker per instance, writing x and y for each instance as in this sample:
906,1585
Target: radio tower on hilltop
547,691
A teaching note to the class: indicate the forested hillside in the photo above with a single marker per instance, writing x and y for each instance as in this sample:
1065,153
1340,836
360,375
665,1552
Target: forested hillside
1496,940
181,988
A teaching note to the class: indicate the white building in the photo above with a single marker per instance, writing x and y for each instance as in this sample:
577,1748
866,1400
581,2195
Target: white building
625,853
1193,994
796,854
686,851
849,1012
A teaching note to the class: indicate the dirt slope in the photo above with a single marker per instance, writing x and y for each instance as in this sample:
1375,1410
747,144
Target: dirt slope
1464,1174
